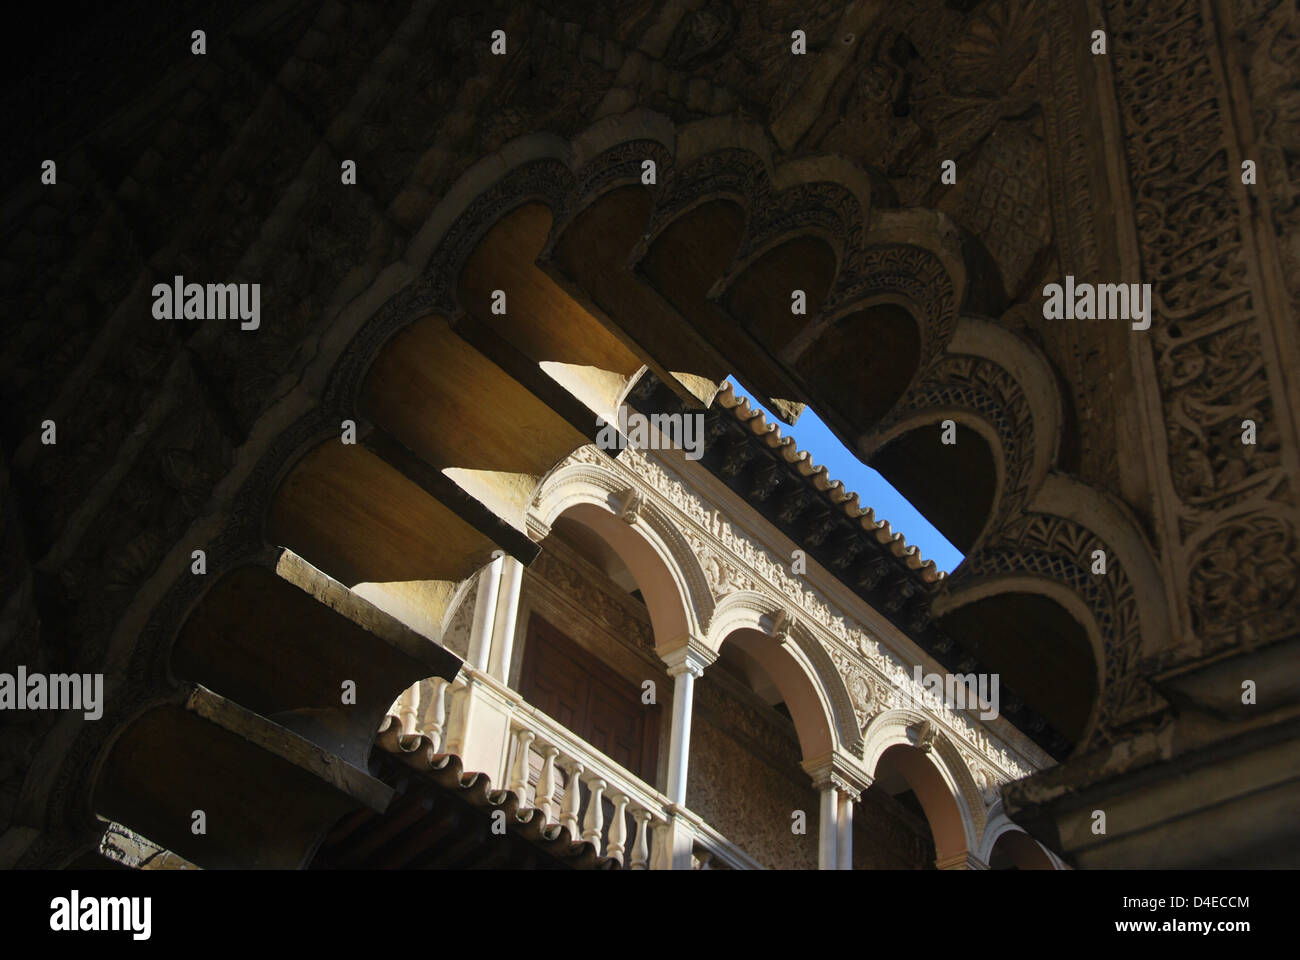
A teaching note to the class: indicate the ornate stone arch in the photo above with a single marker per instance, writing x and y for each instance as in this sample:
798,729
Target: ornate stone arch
752,610
994,383
914,255
617,163
589,483
1115,525
1050,554
998,825
616,131
545,180
905,726
243,538
824,210
732,174
1043,559
1030,394
941,399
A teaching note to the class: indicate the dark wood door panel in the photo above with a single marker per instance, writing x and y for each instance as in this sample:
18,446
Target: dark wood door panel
575,688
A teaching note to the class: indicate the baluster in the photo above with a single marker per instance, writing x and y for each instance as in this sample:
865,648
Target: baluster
618,828
408,709
519,778
546,784
438,714
572,801
594,827
457,718
641,845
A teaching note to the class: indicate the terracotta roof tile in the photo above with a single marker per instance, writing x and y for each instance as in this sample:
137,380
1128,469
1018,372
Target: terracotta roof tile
835,491
447,771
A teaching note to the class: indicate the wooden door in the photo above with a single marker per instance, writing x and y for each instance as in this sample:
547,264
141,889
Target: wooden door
567,683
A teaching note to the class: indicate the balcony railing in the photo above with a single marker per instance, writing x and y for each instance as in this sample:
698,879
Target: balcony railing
566,779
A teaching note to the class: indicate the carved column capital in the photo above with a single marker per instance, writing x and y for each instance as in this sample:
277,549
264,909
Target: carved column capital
839,771
687,656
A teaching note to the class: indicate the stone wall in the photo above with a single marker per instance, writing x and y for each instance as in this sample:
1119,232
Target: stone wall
745,780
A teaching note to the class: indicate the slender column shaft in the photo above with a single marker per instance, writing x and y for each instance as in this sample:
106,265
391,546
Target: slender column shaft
594,826
844,855
507,615
827,836
519,775
617,829
485,605
680,743
408,711
572,802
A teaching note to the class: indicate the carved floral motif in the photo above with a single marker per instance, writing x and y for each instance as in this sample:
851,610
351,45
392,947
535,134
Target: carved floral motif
1207,258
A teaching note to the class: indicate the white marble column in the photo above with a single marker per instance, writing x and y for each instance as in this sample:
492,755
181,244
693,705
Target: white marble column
485,608
506,618
685,662
679,749
844,827
827,832
479,729
840,780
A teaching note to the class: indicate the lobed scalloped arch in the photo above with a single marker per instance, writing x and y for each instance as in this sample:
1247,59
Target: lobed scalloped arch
1004,388
998,825
704,163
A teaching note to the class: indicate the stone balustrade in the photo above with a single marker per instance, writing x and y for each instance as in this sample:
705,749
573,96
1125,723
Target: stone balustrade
571,783
566,779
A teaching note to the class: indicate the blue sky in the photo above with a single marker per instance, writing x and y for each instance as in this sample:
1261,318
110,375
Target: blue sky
872,489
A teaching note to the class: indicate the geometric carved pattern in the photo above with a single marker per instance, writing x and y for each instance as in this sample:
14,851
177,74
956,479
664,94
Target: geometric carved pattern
1060,550
1006,205
823,209
982,386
